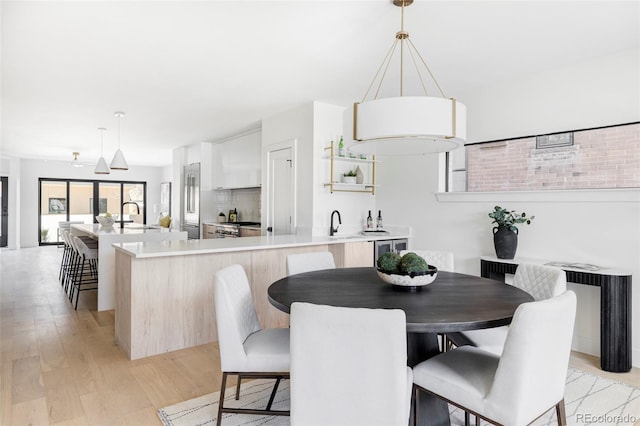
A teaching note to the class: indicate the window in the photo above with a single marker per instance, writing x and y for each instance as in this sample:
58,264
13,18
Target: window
600,158
63,200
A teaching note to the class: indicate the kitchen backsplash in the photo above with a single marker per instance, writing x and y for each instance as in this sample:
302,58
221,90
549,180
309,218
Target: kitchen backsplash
246,201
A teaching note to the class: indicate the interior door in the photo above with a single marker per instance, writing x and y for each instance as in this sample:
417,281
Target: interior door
281,192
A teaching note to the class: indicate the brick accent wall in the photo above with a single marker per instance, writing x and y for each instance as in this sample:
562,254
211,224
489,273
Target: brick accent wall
600,158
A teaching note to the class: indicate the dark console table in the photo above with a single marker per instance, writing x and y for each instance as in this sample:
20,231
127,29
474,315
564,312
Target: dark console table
615,305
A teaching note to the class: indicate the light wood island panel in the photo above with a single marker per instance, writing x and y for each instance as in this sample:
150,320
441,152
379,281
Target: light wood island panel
165,304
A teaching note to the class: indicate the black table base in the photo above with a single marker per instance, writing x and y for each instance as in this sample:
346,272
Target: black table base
432,411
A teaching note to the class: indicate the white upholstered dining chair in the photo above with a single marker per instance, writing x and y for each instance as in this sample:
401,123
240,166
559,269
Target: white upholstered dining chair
349,366
540,281
443,260
246,349
307,262
521,385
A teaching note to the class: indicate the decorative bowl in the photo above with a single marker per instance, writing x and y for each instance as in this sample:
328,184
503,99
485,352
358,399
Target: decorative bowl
409,279
107,221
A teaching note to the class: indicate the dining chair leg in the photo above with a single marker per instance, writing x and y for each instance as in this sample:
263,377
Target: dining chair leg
561,413
221,402
238,387
467,419
414,404
273,394
477,421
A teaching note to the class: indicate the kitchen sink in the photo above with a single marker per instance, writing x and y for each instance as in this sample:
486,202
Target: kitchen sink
344,237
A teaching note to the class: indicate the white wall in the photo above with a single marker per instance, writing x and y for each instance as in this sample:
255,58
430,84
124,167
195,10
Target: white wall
600,227
23,209
295,124
314,126
353,206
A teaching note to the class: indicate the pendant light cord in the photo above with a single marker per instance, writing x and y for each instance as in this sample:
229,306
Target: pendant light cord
102,129
402,36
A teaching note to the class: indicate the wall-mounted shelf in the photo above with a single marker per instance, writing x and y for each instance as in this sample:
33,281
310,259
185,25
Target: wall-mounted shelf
367,187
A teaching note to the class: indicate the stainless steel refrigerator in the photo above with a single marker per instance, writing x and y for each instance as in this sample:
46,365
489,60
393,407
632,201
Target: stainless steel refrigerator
191,204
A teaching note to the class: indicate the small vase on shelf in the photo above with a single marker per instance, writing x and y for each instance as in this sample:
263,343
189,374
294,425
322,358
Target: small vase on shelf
359,175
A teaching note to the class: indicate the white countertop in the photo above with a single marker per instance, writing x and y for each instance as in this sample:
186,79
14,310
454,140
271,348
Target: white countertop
95,230
222,245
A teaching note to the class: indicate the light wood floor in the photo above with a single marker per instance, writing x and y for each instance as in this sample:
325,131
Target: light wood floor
61,367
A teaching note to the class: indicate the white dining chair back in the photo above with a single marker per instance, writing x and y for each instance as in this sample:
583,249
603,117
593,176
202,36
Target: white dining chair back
522,384
443,260
246,350
237,322
349,366
307,262
540,281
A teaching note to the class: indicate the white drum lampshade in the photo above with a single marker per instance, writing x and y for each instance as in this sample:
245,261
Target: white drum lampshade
405,125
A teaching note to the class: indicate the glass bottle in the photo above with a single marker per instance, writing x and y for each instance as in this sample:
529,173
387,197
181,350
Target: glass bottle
341,148
379,220
369,221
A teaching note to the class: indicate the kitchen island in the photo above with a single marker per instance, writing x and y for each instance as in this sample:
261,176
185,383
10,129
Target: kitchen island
164,291
106,237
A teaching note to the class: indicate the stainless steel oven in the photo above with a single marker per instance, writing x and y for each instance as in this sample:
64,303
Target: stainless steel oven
232,229
227,230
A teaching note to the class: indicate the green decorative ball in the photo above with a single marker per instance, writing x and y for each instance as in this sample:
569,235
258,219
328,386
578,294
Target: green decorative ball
389,262
411,262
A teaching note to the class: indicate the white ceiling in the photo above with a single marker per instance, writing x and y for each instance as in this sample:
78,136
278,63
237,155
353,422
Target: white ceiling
188,72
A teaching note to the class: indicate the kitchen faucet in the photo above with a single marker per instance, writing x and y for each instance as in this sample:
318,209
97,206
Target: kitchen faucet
124,204
333,230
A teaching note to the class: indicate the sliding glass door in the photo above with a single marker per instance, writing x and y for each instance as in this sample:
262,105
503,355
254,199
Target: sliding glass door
134,196
110,197
53,209
63,200
81,201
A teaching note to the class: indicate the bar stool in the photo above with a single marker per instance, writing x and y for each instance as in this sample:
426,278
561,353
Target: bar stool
72,264
65,263
85,269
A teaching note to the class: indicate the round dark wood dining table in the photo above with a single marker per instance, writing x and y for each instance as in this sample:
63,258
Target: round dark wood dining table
453,302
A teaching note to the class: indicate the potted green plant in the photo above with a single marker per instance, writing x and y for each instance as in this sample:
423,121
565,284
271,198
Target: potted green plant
44,235
505,235
349,176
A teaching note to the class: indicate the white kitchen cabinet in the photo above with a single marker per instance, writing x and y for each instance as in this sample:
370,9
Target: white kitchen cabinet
209,230
237,162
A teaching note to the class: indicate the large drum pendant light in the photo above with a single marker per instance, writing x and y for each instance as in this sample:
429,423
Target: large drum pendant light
404,125
118,162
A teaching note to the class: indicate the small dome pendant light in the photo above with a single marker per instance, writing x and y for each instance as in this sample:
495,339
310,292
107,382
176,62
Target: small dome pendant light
101,167
118,162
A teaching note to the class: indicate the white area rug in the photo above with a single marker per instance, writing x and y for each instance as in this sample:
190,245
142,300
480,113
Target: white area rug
589,400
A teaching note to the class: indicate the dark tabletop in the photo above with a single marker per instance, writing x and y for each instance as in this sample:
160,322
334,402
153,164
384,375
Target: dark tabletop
453,302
